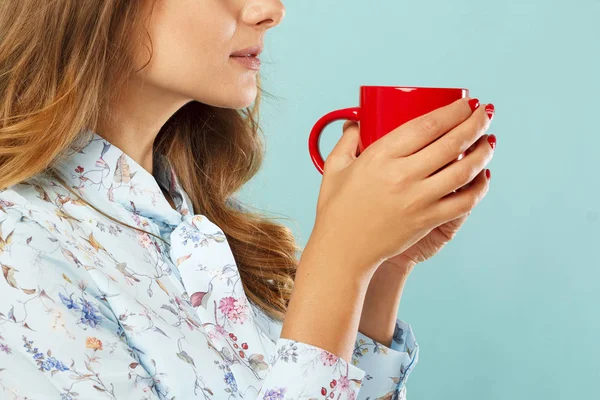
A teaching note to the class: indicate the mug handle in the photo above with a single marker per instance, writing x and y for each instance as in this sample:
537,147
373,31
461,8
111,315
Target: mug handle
351,114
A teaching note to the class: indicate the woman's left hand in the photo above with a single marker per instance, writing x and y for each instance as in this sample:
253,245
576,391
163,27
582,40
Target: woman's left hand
430,245
435,240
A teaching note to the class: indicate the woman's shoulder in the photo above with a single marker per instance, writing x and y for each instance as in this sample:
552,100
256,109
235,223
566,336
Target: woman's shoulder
32,205
41,225
36,192
42,217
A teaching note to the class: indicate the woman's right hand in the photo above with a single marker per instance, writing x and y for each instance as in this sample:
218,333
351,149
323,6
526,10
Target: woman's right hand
375,206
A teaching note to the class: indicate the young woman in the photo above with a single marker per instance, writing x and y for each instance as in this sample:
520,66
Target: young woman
130,270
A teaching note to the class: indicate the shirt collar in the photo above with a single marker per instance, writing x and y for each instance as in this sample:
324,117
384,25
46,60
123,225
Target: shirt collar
105,176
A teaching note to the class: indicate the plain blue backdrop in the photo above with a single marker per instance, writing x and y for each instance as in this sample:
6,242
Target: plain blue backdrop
510,308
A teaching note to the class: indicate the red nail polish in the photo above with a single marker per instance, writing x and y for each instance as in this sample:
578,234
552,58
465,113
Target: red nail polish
474,104
489,109
488,174
492,141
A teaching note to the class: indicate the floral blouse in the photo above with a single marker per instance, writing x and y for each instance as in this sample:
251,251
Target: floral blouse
91,309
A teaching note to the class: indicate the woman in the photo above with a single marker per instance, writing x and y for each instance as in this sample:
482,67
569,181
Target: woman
129,269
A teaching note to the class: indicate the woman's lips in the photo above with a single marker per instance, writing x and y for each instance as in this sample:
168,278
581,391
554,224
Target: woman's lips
252,51
249,62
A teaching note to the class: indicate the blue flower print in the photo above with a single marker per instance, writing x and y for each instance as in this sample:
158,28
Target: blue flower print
45,364
68,301
230,380
398,335
88,311
88,314
274,394
51,363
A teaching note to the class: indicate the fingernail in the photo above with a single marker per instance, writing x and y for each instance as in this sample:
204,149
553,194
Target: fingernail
489,109
474,104
492,141
488,174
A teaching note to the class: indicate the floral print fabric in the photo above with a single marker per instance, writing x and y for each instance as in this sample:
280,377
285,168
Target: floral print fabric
91,309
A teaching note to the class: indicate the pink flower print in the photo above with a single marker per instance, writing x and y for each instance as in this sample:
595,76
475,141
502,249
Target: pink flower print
5,348
227,304
241,308
144,240
235,310
328,358
345,384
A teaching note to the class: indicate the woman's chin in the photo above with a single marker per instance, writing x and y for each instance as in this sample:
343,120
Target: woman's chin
236,98
244,99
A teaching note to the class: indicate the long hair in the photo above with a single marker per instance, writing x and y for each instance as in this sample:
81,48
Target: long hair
60,64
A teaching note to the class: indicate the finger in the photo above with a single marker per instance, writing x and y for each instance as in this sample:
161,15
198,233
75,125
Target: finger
451,228
452,145
460,157
460,203
461,173
344,152
348,124
466,153
418,133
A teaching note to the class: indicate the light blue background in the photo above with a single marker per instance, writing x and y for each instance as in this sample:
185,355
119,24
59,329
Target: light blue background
509,309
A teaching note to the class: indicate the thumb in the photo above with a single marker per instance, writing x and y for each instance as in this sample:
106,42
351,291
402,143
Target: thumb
344,152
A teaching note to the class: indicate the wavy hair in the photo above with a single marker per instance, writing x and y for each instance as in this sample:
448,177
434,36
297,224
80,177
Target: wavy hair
60,64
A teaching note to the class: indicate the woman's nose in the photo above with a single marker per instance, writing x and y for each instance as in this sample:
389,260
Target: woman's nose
263,13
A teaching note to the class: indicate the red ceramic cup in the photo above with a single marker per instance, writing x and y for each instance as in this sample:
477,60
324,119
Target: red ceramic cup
383,109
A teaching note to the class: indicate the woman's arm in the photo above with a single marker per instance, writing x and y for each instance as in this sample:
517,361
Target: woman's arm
380,309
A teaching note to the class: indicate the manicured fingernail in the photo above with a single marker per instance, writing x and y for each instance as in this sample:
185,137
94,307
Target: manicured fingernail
488,174
492,141
474,104
489,109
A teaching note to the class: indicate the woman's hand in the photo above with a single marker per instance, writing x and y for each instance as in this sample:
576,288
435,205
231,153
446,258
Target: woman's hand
399,200
435,240
432,243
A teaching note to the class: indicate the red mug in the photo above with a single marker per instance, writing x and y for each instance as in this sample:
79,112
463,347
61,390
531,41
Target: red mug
383,109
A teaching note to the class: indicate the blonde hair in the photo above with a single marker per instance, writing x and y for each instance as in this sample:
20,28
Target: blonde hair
60,63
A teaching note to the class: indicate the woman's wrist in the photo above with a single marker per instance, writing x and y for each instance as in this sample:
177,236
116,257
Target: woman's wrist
351,258
327,301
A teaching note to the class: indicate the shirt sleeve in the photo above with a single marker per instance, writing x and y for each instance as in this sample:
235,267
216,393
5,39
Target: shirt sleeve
57,339
386,368
303,371
300,370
